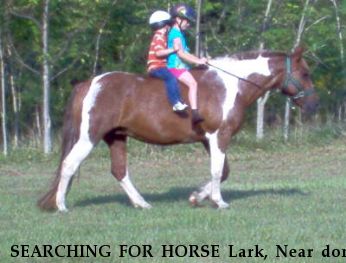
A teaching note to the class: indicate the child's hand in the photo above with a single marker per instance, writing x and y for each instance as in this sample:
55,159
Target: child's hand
203,61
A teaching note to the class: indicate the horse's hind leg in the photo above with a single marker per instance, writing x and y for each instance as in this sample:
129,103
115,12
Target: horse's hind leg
69,167
117,146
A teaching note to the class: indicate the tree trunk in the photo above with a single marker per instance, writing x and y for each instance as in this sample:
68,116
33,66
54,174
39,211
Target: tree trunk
15,102
263,100
97,52
296,44
14,94
340,113
47,140
98,40
339,30
3,98
342,54
37,131
198,28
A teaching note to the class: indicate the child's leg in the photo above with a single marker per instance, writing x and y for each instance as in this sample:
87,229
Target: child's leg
171,84
190,81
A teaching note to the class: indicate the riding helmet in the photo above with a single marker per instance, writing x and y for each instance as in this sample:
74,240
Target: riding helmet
159,19
183,11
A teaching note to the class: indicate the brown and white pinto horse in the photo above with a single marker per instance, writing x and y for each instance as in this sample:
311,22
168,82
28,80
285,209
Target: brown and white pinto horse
116,105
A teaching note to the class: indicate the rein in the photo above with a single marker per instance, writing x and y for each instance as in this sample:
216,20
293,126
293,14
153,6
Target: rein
233,75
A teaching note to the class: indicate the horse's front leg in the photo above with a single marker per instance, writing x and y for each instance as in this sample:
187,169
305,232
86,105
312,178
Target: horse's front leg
219,172
217,159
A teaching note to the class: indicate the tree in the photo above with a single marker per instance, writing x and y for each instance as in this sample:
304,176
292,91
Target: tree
3,97
342,55
49,59
98,39
28,13
263,100
116,37
198,27
47,134
296,44
15,95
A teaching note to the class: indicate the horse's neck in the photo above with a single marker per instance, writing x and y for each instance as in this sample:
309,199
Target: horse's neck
242,68
255,73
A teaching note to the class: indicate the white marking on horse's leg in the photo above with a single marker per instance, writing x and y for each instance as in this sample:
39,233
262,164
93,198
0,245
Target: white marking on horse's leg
197,197
212,188
217,158
205,191
136,199
69,167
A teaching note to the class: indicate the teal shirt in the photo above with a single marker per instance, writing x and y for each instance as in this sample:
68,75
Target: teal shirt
173,60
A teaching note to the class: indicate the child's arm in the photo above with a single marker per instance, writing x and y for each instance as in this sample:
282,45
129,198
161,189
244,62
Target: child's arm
190,58
165,52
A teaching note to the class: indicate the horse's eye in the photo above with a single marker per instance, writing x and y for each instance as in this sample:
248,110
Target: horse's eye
306,75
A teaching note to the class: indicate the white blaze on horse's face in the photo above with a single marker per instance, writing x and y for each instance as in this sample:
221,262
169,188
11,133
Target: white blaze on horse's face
240,68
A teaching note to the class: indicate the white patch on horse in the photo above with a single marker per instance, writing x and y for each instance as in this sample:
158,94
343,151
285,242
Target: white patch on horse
88,104
240,68
82,147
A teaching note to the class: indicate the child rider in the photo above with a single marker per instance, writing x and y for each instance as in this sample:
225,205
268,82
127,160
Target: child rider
160,22
178,61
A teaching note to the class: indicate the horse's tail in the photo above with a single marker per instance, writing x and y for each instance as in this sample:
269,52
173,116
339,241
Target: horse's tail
70,135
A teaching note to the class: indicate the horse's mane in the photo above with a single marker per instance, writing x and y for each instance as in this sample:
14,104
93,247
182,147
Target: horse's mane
254,54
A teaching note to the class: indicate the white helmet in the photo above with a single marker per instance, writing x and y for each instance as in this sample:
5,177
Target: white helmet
159,19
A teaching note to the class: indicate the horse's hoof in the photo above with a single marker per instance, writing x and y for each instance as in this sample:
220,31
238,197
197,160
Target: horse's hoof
193,199
147,206
143,205
62,210
220,204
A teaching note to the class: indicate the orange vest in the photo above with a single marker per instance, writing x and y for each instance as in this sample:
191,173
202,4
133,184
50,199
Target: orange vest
158,42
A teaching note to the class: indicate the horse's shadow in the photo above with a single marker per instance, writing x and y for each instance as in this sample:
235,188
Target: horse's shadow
182,193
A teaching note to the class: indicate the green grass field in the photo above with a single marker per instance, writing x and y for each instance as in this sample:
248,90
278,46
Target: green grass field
292,195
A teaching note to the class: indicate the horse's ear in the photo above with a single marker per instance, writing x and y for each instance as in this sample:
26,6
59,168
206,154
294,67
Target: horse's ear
298,52
73,82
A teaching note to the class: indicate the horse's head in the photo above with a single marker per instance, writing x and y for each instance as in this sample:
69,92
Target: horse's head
298,84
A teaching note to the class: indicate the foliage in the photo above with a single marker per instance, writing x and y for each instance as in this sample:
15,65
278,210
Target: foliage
226,27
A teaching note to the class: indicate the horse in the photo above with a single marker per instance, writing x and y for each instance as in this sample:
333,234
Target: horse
117,105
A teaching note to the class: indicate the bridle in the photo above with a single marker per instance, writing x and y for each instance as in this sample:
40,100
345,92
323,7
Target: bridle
301,92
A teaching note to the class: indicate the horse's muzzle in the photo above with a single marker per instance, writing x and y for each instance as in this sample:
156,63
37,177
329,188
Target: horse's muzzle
311,104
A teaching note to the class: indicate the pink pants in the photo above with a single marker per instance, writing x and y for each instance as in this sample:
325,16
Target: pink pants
177,72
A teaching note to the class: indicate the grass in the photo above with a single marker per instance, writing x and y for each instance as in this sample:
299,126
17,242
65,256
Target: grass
280,194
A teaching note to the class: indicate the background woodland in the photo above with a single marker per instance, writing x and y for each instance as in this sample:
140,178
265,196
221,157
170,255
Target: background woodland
46,44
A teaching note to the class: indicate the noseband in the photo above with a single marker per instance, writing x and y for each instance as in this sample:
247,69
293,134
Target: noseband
301,92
